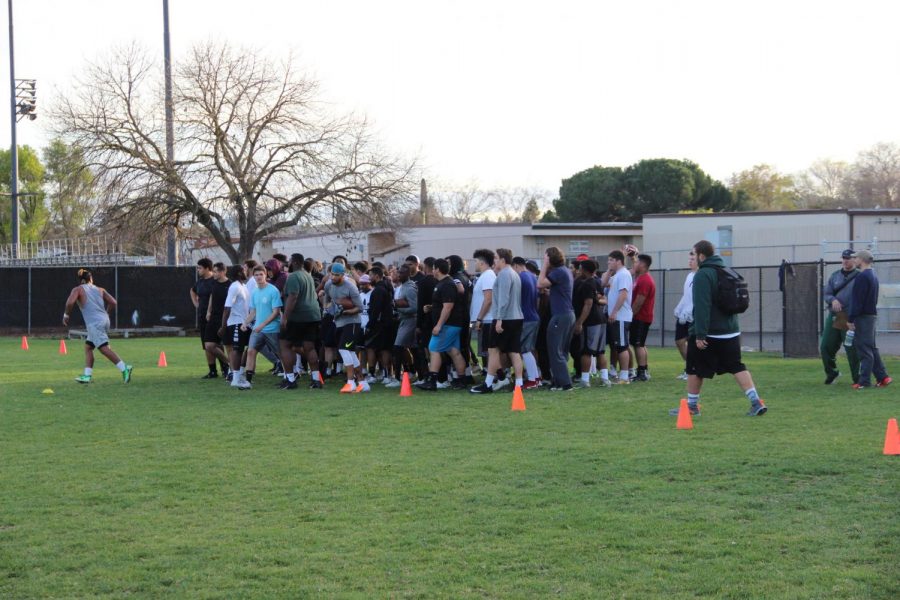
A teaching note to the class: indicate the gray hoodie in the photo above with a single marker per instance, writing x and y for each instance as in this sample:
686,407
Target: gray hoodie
506,298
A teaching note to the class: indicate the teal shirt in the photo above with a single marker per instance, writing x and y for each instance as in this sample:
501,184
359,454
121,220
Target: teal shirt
264,301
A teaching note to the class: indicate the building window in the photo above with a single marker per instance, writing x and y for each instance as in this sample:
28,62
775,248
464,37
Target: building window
579,246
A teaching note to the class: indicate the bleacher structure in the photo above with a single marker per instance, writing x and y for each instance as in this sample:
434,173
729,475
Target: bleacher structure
86,251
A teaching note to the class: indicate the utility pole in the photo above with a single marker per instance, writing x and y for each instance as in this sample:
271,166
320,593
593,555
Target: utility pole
171,252
14,150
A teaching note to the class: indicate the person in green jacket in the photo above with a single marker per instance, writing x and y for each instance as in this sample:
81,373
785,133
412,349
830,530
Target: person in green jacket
714,345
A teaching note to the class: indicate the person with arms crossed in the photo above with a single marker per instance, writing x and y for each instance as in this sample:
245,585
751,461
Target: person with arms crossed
642,304
620,313
237,305
557,278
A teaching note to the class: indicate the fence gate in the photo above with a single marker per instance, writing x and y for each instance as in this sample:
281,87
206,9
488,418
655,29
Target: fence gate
802,309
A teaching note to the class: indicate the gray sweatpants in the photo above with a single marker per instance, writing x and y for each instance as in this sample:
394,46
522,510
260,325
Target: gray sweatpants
864,343
559,336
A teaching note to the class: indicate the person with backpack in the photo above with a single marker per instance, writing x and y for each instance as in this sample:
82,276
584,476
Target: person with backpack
714,345
838,292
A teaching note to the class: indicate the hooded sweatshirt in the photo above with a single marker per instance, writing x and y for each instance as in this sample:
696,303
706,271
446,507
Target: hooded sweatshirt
709,321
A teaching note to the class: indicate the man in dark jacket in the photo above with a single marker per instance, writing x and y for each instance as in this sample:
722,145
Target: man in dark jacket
862,317
838,292
714,345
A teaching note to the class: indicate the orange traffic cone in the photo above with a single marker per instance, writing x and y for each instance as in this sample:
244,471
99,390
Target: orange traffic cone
405,388
162,360
684,416
892,439
321,379
24,342
62,347
518,402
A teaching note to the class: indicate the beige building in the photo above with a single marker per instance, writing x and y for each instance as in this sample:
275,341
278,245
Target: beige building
393,245
767,238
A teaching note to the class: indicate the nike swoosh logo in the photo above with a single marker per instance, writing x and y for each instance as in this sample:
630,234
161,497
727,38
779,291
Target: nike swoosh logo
348,344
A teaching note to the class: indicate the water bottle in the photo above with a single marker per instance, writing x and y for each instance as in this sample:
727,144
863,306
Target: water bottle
848,341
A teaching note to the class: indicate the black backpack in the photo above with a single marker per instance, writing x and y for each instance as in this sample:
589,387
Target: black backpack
732,295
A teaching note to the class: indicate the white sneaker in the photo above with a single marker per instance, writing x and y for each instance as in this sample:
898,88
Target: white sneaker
683,376
445,385
371,379
613,374
605,382
243,384
363,387
499,385
391,383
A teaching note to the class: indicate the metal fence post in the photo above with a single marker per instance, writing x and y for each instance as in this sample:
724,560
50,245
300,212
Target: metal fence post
116,285
29,300
662,329
760,311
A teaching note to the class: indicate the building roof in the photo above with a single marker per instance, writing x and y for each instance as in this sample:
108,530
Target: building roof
767,213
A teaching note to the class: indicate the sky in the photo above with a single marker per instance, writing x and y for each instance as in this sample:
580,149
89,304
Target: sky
523,94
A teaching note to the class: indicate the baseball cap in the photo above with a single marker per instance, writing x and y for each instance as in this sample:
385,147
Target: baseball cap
365,279
582,257
338,269
865,255
848,253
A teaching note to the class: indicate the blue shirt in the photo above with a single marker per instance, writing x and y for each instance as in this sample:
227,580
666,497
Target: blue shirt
865,295
529,296
561,290
264,301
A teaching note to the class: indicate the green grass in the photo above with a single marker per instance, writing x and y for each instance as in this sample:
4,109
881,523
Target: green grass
172,486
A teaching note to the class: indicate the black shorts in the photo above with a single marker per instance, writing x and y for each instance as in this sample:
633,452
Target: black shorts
617,334
378,337
236,338
201,326
349,337
637,335
485,338
720,356
211,331
297,332
510,339
682,330
328,332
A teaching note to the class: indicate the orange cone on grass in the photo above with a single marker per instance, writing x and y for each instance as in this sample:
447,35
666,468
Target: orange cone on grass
405,387
162,360
62,347
892,439
684,416
321,379
24,342
518,402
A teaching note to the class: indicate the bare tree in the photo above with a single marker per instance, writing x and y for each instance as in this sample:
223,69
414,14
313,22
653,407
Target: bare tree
876,176
258,152
825,184
465,204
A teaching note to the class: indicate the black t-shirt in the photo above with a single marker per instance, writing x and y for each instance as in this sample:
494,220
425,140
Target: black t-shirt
426,290
586,289
381,304
468,288
203,288
445,291
218,297
418,277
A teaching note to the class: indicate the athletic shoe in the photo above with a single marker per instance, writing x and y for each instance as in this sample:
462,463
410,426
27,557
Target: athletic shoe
390,382
605,382
315,385
757,409
580,384
481,389
641,377
427,386
831,378
683,376
243,384
561,388
287,385
230,377
126,374
370,379
211,375
442,385
884,382
623,381
532,384
694,410
362,387
459,384
83,379
468,380
859,386
499,385
348,388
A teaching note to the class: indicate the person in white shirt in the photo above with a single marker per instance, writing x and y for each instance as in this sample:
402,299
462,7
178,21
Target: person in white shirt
481,309
684,312
237,305
619,306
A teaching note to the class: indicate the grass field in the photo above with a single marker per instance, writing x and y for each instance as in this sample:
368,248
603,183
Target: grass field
172,486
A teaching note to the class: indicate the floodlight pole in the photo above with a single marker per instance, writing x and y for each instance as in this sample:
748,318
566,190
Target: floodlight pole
14,150
171,252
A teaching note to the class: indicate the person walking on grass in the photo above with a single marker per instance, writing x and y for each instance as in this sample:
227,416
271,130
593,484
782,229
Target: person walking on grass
714,346
684,312
95,304
838,292
862,317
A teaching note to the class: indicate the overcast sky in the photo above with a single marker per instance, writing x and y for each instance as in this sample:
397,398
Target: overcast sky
526,93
